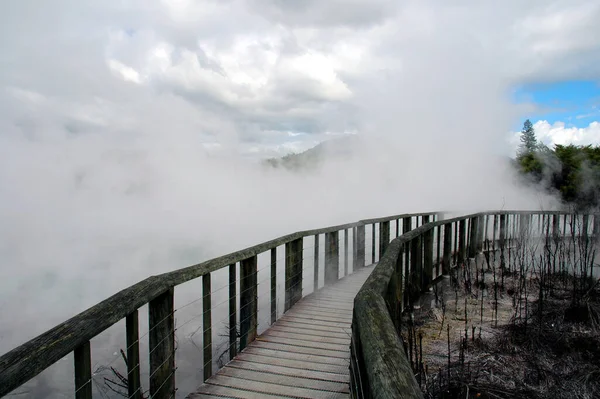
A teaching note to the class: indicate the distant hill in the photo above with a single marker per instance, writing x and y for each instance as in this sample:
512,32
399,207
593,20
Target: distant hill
312,158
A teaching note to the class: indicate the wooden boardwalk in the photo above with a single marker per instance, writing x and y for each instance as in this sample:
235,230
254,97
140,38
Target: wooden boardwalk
305,354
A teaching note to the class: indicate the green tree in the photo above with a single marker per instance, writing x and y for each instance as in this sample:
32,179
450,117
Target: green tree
528,140
528,159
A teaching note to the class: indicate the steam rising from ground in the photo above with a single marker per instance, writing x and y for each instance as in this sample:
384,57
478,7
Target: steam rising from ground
106,180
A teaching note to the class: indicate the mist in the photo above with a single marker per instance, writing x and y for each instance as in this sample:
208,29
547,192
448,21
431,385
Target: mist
124,155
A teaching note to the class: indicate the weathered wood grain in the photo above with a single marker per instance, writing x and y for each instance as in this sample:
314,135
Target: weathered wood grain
161,342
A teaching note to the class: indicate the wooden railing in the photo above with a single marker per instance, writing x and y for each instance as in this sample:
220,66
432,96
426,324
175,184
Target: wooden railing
410,265
26,361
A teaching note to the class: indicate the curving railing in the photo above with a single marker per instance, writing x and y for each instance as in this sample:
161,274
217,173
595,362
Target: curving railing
73,336
410,265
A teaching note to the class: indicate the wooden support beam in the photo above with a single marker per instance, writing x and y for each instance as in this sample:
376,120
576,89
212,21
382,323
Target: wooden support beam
248,301
233,311
132,331
83,371
273,285
332,257
384,237
293,272
373,248
346,251
427,239
359,258
447,249
207,326
162,345
316,264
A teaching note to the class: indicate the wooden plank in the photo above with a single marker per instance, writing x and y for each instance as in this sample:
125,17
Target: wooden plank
270,388
284,380
304,316
345,308
217,391
334,299
294,364
303,343
317,307
300,349
317,328
317,360
316,322
316,313
301,372
307,330
273,332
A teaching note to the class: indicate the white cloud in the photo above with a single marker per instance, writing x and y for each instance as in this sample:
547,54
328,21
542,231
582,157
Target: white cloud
125,72
560,133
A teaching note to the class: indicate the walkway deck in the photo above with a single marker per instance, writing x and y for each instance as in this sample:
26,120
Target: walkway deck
305,354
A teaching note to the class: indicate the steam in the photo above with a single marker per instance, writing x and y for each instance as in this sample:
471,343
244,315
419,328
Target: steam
111,177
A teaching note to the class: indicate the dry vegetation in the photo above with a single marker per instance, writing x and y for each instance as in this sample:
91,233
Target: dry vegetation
518,322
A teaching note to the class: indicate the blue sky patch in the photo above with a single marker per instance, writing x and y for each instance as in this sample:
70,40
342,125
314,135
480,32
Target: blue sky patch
576,103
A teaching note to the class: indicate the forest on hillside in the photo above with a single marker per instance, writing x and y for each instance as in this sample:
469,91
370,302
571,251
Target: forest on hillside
569,171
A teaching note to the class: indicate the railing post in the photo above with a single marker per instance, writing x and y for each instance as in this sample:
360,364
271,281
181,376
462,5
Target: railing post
162,345
273,285
293,272
584,226
399,288
596,227
316,264
233,311
406,227
473,229
132,331
438,259
406,224
384,237
83,371
346,251
462,227
416,267
248,301
481,232
494,234
447,248
206,326
332,257
373,244
427,258
359,258
502,240
455,244
397,227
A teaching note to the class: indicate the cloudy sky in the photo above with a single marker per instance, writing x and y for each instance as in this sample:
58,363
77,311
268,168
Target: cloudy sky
128,129
268,77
